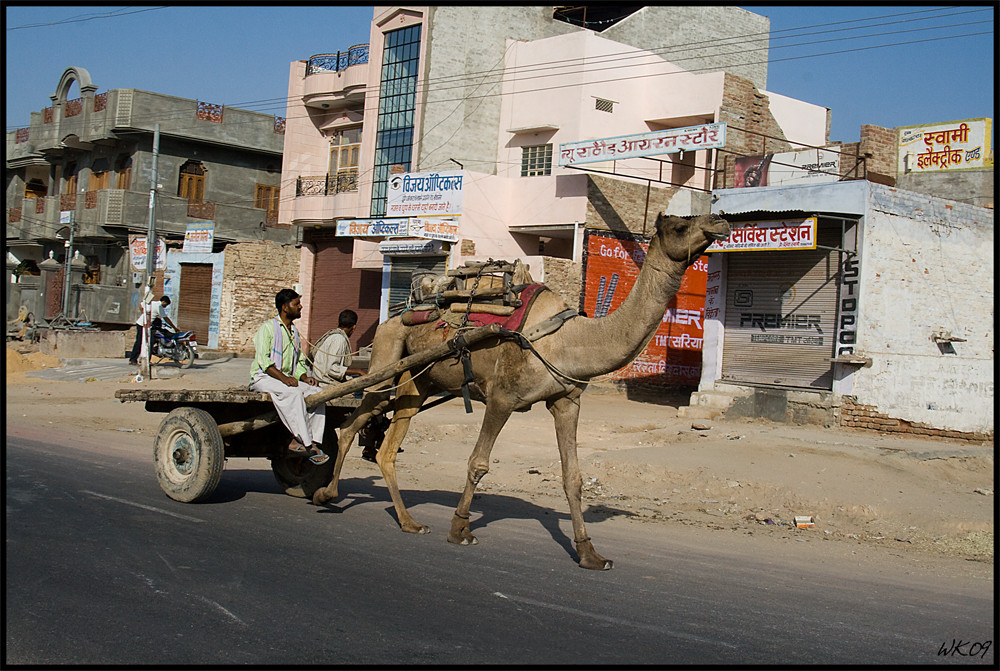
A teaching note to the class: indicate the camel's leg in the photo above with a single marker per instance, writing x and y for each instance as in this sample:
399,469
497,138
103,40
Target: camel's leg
409,398
566,412
387,349
497,414
373,403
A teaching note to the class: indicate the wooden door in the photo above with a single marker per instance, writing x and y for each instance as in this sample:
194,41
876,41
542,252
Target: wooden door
194,300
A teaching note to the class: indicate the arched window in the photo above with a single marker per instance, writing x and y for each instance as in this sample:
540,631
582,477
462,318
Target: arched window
124,170
192,182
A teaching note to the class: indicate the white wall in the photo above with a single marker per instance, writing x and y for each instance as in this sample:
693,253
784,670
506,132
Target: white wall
927,265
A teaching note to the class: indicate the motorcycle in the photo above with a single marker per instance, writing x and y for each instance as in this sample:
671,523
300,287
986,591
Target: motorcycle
180,347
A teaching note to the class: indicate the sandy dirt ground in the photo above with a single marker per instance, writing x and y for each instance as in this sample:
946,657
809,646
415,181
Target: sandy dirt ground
639,461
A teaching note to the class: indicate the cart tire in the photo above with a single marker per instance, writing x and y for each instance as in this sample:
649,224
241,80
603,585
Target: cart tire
189,454
299,477
187,356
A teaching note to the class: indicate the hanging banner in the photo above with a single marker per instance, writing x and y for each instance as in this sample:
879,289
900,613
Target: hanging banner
419,194
199,237
955,145
807,166
137,252
768,235
669,141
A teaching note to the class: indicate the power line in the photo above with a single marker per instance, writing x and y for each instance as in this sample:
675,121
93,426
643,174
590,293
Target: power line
112,15
280,104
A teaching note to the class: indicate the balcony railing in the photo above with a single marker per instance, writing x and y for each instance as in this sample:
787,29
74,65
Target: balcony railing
326,185
39,205
14,215
201,210
74,107
101,101
339,61
209,112
67,201
90,200
22,135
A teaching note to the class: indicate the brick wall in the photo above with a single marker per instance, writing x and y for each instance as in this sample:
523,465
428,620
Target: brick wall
859,416
253,273
621,205
747,115
563,277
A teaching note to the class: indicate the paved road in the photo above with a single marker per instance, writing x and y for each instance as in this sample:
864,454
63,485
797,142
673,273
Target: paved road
102,568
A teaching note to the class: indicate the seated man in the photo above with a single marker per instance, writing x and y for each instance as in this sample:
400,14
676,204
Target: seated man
332,355
278,370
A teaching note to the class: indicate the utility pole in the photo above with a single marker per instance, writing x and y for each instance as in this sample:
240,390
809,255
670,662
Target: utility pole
69,254
144,360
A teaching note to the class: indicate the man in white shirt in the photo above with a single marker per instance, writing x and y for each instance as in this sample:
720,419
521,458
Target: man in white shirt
332,355
147,318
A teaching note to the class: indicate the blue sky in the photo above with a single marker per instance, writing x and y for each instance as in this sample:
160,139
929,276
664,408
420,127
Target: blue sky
239,56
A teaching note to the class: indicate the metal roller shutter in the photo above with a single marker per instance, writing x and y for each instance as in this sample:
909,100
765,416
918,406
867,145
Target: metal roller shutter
401,272
194,300
338,286
781,315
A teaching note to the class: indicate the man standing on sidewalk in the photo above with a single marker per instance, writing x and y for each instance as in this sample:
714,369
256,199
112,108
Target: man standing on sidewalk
278,369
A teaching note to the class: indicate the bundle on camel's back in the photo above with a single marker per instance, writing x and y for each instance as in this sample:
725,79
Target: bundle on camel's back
508,377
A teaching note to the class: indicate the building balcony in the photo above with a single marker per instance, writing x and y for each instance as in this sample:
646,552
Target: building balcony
335,81
323,198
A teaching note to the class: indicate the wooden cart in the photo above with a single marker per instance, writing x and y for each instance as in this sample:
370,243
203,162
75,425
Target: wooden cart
203,428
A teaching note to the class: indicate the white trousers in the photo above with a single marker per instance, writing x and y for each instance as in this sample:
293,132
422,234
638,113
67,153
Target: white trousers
306,425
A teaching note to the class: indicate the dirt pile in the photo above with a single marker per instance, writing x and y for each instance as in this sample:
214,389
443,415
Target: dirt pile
18,364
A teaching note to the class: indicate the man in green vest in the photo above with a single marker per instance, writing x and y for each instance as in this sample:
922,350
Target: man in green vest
279,369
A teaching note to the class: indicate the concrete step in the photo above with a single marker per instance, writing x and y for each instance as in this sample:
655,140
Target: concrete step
698,412
713,400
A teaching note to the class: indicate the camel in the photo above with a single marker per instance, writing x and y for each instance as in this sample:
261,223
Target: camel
509,378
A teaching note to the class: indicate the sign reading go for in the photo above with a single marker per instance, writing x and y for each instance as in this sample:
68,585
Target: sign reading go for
769,235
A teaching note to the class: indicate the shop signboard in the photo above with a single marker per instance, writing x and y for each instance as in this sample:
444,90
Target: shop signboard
945,147
673,356
434,228
372,228
198,238
137,253
420,194
669,141
760,236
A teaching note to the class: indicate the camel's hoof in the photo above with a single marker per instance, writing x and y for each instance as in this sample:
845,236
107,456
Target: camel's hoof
417,529
596,564
464,540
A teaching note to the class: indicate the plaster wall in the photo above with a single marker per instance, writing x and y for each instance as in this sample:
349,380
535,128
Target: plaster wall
927,266
801,121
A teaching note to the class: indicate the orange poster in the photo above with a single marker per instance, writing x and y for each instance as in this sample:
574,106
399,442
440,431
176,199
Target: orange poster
673,356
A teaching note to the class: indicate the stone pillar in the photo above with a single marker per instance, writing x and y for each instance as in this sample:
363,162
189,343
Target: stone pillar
77,268
12,293
52,287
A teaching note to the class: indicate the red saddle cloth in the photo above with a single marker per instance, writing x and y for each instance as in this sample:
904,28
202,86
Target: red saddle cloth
512,322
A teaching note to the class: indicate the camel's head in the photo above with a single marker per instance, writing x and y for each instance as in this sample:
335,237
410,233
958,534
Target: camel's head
685,239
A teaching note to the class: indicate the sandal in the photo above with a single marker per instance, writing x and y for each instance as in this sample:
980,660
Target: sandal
297,448
318,456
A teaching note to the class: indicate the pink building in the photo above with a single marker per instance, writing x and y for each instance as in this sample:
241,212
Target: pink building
503,111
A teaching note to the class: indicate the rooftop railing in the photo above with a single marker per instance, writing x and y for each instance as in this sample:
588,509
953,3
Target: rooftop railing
339,61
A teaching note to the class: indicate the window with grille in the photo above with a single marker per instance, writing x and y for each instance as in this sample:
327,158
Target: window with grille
192,182
536,160
603,105
397,102
266,198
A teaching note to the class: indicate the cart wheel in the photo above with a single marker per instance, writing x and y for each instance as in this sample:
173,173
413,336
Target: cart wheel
300,477
189,454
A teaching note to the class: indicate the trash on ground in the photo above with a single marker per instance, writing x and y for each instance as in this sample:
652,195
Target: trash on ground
804,522
122,428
